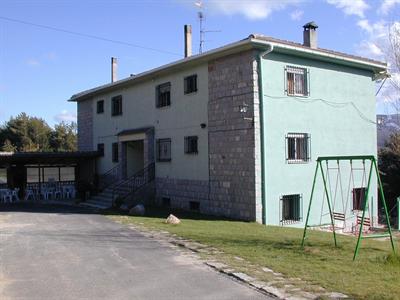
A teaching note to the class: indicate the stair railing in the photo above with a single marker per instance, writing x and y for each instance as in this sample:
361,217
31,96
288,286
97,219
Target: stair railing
109,178
134,182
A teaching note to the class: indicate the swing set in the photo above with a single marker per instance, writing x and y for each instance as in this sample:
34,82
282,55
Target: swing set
335,189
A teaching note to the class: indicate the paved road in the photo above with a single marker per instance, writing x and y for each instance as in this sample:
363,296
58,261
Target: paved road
66,253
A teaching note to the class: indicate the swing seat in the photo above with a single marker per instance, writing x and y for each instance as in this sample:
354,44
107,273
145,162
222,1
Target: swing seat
367,221
338,216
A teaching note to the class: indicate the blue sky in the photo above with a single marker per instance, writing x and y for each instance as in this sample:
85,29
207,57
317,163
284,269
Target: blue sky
40,69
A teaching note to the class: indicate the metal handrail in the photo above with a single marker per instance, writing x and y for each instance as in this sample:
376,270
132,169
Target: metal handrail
135,182
109,177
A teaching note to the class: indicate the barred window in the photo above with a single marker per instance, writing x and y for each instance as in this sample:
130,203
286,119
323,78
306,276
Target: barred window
298,147
191,145
190,84
100,149
163,95
115,152
359,198
100,106
116,105
296,81
291,209
164,150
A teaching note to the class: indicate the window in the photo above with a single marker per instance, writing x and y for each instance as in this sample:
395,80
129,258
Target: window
163,95
298,147
166,202
194,205
100,149
191,145
359,198
296,81
190,84
164,149
115,152
116,108
291,209
100,106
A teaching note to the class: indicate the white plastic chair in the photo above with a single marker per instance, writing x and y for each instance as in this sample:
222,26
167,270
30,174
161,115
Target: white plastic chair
7,196
14,194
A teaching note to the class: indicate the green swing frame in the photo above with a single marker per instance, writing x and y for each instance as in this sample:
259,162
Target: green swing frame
373,169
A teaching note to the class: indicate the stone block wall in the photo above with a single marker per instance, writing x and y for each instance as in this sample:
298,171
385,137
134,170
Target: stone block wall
182,191
85,126
234,137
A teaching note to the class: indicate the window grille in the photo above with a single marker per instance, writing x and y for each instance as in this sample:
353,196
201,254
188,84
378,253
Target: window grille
359,198
116,105
190,84
163,95
191,145
298,146
291,208
164,150
297,81
100,106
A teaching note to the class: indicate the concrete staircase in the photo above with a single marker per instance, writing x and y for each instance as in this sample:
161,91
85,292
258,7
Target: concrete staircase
125,189
104,199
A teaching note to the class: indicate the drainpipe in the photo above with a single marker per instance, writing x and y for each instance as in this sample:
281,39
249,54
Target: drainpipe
260,56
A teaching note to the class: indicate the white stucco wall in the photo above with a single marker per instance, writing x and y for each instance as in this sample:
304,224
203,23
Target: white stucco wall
182,118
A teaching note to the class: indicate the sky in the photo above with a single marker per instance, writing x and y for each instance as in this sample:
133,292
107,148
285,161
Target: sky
52,49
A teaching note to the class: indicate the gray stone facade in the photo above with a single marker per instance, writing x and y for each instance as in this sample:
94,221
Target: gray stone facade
234,137
85,126
181,192
234,186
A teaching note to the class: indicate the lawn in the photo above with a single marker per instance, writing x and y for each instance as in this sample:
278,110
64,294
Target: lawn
374,275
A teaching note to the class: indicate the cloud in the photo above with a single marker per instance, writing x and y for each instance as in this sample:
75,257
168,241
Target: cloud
65,116
33,62
296,15
251,9
351,7
387,5
50,56
376,38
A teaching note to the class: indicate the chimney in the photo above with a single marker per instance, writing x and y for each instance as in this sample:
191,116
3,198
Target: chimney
114,67
188,40
310,35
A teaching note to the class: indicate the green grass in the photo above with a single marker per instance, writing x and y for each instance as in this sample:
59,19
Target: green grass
374,275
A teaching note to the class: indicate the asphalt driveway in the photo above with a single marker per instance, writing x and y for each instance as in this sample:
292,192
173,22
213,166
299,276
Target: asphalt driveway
49,252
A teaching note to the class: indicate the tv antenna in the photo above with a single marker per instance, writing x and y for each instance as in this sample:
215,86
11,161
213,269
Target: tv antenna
203,32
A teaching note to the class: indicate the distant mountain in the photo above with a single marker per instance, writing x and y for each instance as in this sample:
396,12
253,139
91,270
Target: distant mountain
386,125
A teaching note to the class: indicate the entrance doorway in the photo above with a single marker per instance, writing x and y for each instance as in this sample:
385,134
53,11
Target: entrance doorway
134,157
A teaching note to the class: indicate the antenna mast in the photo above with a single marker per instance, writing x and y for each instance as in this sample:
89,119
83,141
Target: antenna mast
200,15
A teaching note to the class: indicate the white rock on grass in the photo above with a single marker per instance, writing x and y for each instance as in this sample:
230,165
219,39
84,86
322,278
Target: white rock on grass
137,210
172,220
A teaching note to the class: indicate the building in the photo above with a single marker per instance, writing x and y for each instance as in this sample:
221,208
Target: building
235,131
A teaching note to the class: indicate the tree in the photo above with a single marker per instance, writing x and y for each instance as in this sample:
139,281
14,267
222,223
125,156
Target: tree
393,58
389,166
63,137
26,133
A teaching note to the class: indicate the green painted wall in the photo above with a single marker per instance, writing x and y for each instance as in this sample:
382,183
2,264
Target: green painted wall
338,130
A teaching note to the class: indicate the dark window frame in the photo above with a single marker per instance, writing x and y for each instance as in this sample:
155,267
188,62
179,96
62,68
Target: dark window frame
115,152
100,107
190,84
297,81
359,198
163,95
160,157
291,209
100,149
116,106
191,144
298,147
